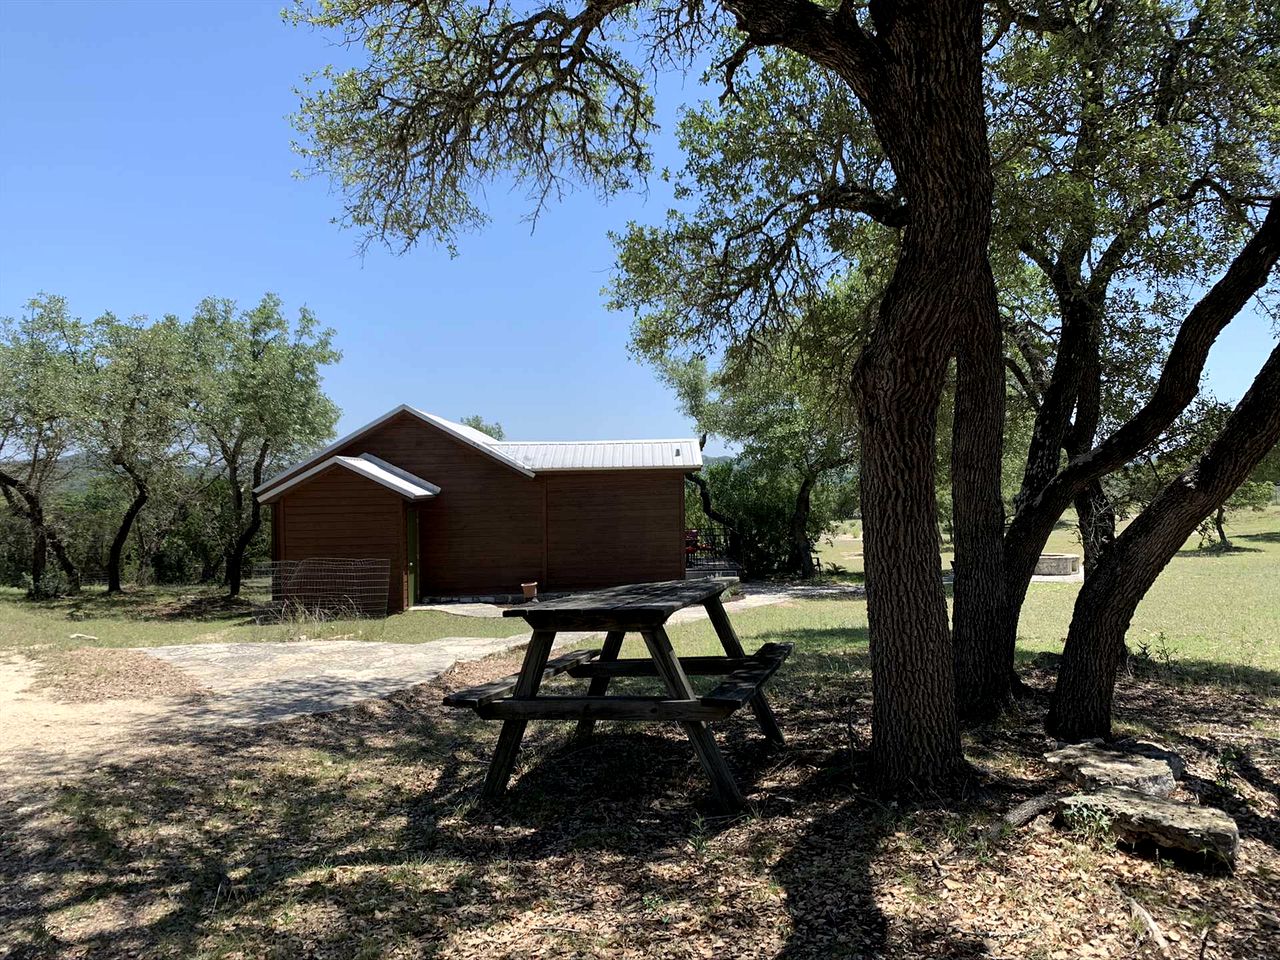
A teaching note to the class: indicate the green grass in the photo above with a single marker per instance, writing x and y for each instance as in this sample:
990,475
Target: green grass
162,616
1207,607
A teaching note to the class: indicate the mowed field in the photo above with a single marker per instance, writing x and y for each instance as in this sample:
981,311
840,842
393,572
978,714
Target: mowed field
159,616
1208,608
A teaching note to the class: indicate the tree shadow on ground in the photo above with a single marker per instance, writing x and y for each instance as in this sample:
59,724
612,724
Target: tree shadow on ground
1216,551
202,604
360,832
1211,679
1269,536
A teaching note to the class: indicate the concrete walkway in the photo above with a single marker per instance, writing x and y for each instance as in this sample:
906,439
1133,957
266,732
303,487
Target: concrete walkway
253,683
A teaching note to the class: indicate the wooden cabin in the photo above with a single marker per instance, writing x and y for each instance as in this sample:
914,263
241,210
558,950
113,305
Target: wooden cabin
458,513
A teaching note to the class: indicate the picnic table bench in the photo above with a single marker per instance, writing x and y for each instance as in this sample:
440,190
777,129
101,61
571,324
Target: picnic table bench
644,609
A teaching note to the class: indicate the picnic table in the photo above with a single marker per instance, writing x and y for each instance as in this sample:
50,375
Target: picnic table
644,609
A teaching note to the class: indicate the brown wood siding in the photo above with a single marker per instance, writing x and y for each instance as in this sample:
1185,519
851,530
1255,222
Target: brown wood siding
339,514
606,528
490,528
483,532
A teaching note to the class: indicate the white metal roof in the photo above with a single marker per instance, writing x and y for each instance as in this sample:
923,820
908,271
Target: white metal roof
542,456
523,457
367,465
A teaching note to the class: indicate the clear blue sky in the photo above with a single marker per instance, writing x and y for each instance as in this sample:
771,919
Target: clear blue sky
146,163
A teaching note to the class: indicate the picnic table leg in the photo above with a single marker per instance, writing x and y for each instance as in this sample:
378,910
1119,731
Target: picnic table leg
598,686
704,744
733,647
504,756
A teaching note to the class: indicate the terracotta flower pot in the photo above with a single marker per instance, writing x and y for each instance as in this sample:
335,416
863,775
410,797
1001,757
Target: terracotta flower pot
530,590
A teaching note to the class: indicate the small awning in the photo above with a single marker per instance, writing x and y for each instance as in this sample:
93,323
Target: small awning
368,466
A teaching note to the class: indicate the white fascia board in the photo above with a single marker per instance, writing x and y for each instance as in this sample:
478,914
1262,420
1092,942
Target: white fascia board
411,490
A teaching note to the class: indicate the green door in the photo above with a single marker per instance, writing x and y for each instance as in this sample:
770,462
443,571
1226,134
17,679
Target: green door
412,540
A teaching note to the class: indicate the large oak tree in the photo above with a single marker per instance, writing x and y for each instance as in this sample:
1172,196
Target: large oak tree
454,95
1135,150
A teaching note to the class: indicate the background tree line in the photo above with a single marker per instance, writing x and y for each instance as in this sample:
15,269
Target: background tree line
131,447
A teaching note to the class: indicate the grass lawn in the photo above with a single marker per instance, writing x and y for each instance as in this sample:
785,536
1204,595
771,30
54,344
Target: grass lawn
1207,608
161,616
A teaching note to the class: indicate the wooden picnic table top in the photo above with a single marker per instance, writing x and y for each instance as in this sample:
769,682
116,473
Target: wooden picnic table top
639,603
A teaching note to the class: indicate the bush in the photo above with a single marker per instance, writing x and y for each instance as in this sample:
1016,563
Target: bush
762,502
51,586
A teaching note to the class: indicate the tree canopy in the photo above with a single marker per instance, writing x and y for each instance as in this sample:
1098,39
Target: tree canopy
107,423
943,153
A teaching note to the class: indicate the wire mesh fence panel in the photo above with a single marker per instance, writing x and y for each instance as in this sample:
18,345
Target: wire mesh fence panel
328,585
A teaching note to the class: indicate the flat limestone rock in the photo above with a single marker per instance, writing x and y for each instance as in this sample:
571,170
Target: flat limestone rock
1170,825
1155,751
1094,766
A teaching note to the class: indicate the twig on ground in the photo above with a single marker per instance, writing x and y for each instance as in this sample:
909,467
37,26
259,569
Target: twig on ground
1153,928
1023,813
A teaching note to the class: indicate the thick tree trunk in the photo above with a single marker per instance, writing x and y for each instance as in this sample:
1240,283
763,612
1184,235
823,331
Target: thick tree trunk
915,735
39,559
983,650
1094,650
920,79
235,557
801,547
932,123
44,538
116,555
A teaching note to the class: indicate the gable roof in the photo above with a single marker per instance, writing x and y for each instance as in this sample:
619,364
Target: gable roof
525,457
371,468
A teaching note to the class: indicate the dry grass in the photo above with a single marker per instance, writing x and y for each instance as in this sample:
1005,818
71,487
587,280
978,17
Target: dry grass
357,835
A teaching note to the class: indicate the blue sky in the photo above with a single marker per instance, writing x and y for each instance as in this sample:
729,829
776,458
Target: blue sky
146,163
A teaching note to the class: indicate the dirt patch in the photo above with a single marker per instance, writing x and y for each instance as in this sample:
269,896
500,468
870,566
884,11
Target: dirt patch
95,674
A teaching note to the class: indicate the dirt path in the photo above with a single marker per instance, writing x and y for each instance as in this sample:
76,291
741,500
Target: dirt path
49,731
190,692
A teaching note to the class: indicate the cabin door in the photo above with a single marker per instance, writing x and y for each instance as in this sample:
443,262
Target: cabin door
411,539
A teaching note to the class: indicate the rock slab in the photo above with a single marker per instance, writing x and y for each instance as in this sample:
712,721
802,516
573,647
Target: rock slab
1134,816
1094,766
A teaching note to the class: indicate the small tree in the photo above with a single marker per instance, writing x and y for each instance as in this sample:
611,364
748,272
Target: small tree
477,422
257,402
134,414
40,393
787,420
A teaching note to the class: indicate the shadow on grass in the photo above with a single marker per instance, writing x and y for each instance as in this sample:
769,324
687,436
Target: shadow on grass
1211,676
208,605
1216,551
1231,676
1269,536
359,833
